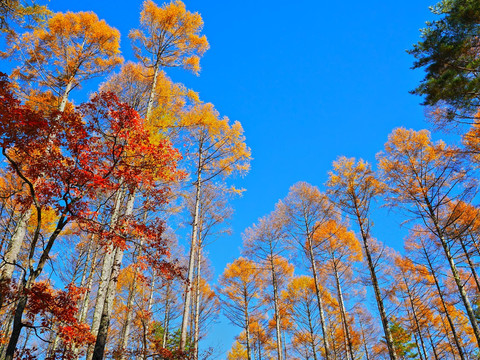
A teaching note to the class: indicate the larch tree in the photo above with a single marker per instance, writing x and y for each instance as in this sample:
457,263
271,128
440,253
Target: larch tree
169,36
70,49
421,246
426,178
304,210
265,242
21,14
339,250
353,185
301,301
219,150
241,286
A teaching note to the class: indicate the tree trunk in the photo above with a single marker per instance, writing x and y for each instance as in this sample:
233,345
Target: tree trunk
247,325
13,250
313,267
447,314
193,250
104,325
343,312
106,271
415,318
276,307
151,97
145,322
197,303
64,100
470,264
376,288
82,317
312,333
128,319
166,318
435,355
456,275
365,347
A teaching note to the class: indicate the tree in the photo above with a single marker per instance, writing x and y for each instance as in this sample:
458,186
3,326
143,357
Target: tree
79,160
219,149
241,285
265,242
169,36
301,301
15,13
133,85
72,48
423,247
339,249
425,178
353,185
449,53
237,352
403,341
304,211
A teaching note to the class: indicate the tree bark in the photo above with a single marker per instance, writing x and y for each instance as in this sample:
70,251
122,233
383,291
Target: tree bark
276,307
197,303
343,312
376,287
313,268
104,325
456,276
447,314
106,271
193,250
415,318
13,249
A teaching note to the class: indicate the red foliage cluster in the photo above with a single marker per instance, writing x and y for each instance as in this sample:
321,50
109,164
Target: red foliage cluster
58,307
69,156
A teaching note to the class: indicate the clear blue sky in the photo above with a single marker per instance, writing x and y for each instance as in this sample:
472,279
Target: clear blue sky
309,80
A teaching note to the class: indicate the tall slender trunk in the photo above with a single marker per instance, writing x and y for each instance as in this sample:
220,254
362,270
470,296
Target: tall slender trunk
376,287
470,264
6,231
104,325
313,268
145,322
13,249
442,300
166,318
276,307
151,97
82,316
197,303
456,276
108,259
125,332
418,346
65,95
312,333
415,317
193,250
247,324
365,347
432,344
447,335
343,311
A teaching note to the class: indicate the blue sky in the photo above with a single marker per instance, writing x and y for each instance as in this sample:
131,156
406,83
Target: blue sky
309,80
